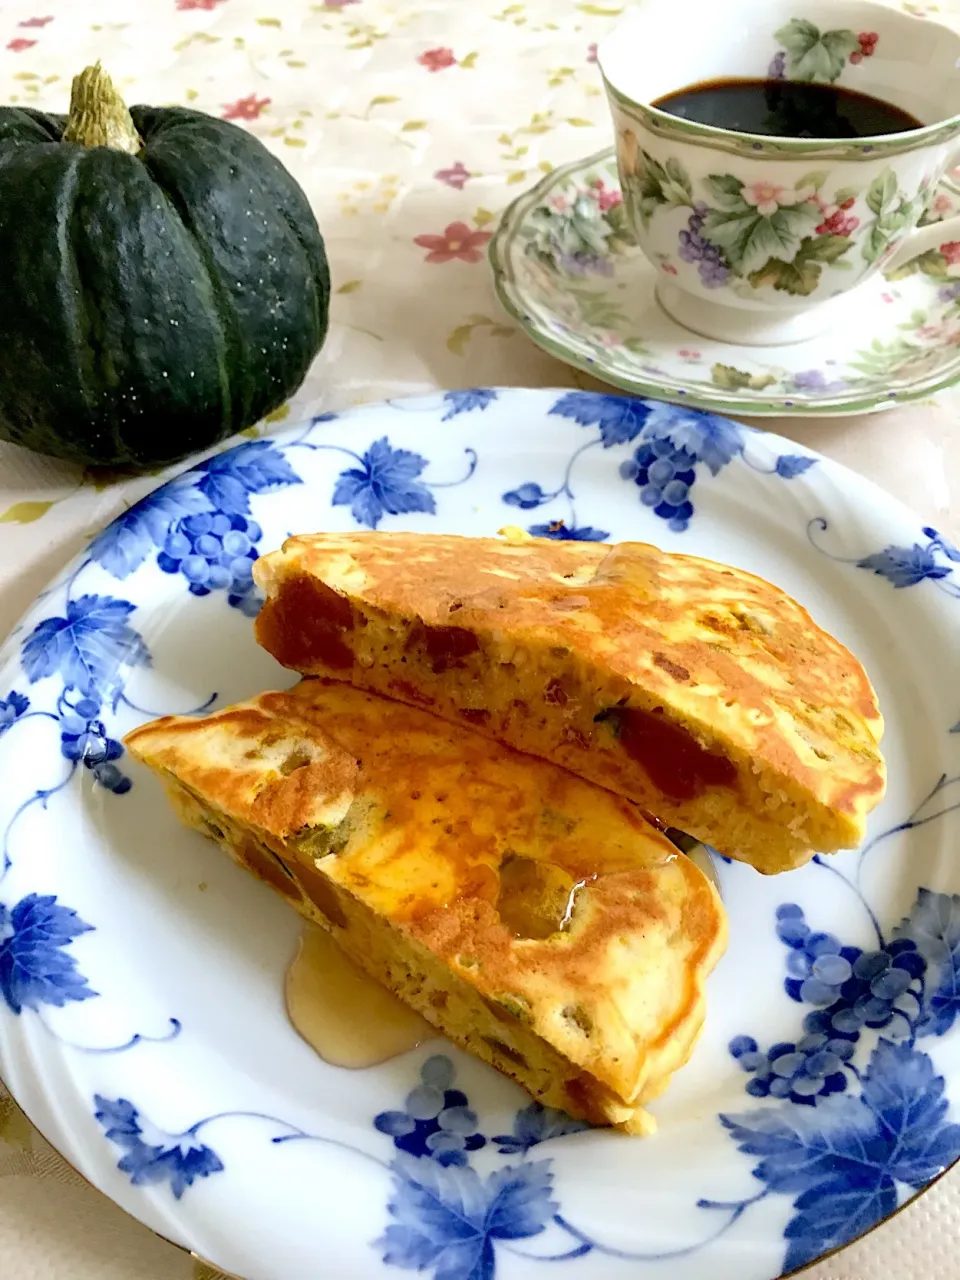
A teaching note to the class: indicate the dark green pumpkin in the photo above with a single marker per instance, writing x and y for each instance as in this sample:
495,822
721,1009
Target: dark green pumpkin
156,298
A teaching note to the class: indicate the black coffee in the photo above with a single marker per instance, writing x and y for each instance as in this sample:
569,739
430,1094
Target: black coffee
787,109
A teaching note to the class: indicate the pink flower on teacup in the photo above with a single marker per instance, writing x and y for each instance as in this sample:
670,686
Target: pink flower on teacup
766,197
940,207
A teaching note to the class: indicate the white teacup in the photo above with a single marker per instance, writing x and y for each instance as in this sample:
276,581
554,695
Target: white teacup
758,239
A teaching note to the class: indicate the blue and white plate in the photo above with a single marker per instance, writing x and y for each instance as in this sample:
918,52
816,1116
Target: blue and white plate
142,1024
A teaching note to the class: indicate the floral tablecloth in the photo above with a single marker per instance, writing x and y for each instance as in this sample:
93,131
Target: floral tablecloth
411,124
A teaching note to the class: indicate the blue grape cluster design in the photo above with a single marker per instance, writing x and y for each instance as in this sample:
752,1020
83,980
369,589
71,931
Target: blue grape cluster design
777,69
850,990
664,475
200,524
713,269
84,740
800,1071
215,552
436,1120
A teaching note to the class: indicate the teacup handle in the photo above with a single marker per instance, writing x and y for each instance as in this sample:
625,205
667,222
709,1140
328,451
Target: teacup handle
924,238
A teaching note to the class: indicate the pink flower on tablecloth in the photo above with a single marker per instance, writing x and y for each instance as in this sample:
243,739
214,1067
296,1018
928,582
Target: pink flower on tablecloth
338,4
437,59
19,45
248,108
457,242
456,176
35,22
592,52
951,251
199,4
670,270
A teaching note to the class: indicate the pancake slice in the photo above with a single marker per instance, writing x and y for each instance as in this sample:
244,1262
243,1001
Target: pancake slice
536,920
707,696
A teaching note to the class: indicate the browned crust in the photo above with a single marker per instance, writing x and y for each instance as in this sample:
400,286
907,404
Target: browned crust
429,812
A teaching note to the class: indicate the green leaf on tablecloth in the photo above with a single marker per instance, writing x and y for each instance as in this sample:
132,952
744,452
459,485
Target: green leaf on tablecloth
579,122
483,217
198,37
459,337
350,286
470,61
598,11
269,22
518,175
25,512
457,340
411,126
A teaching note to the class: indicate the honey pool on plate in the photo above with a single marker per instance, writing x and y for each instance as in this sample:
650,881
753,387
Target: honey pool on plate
346,1017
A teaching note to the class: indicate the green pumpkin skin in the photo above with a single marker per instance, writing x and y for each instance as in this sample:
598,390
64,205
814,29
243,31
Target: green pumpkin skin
152,304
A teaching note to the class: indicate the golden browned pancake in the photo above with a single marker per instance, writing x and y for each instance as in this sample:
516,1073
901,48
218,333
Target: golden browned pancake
535,919
702,693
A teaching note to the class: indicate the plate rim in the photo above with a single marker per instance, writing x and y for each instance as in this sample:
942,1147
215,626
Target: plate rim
419,403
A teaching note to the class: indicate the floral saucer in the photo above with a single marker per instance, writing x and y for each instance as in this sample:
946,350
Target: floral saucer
567,268
142,1023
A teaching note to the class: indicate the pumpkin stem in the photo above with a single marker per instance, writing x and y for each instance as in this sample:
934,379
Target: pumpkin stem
98,115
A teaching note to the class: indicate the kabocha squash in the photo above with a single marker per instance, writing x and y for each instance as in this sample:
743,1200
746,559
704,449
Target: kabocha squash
164,280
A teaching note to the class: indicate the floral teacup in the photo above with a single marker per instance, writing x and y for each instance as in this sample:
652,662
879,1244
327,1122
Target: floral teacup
758,238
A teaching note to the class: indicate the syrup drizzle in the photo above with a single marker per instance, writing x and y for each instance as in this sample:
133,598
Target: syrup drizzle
346,1017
